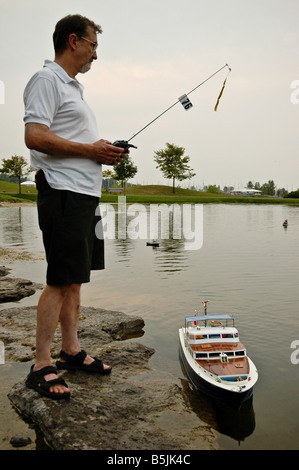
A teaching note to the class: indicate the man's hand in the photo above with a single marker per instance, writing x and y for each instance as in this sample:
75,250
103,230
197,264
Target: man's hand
107,153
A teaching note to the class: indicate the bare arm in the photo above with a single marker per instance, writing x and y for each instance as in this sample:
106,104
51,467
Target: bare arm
39,137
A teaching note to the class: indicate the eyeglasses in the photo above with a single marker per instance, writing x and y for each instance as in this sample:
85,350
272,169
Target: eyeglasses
95,44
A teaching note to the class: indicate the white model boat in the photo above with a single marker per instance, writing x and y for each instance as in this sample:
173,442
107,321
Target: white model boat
214,358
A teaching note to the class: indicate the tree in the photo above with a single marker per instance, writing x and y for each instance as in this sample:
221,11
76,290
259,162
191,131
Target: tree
173,164
268,188
281,192
16,166
124,170
293,194
107,174
212,188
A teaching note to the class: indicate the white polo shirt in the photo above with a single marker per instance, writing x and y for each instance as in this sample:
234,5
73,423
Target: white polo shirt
56,100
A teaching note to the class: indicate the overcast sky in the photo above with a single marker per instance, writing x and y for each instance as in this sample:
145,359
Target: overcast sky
151,53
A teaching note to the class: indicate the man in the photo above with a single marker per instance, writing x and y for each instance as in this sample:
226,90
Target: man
62,135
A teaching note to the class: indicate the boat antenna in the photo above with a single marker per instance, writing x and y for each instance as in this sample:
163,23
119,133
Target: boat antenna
186,102
205,306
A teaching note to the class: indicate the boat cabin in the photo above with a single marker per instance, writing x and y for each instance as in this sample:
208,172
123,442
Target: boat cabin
212,328
213,351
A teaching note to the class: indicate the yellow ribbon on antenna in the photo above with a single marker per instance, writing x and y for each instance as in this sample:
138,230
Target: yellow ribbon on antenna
223,86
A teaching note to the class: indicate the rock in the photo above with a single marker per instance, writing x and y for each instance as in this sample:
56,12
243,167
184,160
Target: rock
4,270
134,407
20,441
14,289
96,326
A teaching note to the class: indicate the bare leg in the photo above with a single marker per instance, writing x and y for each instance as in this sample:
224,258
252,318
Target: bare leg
69,317
48,311
58,303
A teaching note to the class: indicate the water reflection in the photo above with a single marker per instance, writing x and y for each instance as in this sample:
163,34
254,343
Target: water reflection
171,257
12,227
130,227
19,228
237,423
124,249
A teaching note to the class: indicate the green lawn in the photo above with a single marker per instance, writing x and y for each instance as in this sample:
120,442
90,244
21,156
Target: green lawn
150,194
158,194
9,192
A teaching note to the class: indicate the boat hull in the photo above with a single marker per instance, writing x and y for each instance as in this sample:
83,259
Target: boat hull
214,390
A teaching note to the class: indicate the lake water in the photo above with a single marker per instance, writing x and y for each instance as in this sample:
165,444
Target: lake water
247,266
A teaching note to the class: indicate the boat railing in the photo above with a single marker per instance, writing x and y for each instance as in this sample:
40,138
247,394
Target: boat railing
223,320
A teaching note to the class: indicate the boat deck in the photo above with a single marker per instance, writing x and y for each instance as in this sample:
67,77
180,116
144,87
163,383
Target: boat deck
235,366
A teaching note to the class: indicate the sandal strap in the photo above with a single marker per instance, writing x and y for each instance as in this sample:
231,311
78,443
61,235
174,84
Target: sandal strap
44,371
38,377
79,359
76,359
46,384
58,381
97,363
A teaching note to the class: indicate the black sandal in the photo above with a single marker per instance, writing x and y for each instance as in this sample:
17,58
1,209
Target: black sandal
76,362
37,382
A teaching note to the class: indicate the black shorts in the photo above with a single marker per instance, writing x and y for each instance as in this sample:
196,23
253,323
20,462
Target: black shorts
68,223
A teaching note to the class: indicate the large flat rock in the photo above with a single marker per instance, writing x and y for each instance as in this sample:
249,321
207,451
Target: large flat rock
133,408
96,326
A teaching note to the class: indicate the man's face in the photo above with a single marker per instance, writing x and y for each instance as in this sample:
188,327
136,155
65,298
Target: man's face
87,50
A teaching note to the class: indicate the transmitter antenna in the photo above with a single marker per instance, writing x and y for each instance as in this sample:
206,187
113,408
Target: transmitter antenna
184,100
185,103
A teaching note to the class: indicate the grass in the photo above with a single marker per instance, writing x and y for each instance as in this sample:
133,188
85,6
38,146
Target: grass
158,194
149,194
9,192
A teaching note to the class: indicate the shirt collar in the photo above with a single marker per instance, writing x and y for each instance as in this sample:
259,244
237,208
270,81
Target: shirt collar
61,73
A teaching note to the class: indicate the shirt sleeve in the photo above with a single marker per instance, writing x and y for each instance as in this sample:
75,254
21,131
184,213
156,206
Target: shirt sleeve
41,101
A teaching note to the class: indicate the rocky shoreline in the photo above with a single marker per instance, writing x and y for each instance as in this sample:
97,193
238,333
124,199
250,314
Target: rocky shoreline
134,408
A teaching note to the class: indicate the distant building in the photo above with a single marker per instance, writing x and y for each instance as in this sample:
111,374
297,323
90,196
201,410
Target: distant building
28,183
246,192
